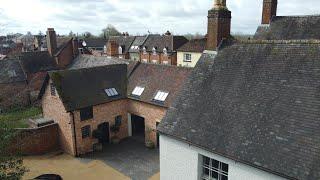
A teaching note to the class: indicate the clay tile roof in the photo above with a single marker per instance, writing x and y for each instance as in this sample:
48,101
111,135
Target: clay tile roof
290,27
194,45
95,42
163,41
33,62
138,42
257,103
124,41
88,61
149,76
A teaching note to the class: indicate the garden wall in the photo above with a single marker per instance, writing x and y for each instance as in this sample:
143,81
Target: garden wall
37,141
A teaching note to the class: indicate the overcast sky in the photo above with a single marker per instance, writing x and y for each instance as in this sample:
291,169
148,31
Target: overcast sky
135,16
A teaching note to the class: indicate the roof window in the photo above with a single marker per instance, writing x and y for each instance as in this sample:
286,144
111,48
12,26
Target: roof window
111,92
161,96
138,91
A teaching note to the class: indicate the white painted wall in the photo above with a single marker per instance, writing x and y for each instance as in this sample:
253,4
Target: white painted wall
180,161
194,59
129,125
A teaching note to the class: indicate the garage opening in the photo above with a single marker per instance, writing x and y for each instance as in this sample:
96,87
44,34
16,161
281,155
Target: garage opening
138,127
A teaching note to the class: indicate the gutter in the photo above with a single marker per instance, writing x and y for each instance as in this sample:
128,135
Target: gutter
75,135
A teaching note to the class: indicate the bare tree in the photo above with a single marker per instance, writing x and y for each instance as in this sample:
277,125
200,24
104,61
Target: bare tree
110,30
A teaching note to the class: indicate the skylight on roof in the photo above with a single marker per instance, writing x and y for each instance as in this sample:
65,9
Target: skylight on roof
111,92
137,91
161,96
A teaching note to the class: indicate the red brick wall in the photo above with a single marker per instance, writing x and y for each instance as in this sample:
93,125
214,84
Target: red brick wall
66,56
37,141
160,58
269,10
112,48
152,115
101,113
14,94
219,26
53,109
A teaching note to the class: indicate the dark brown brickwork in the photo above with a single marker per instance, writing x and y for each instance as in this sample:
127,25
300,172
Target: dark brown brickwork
37,141
112,49
269,10
66,55
51,41
219,25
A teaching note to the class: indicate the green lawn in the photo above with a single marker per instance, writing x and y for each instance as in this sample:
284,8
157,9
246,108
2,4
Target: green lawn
18,118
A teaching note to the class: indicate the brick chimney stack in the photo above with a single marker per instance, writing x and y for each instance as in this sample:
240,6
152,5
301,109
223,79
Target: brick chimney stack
219,24
269,10
51,41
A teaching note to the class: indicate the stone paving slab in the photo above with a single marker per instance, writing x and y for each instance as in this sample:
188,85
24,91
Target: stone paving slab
130,157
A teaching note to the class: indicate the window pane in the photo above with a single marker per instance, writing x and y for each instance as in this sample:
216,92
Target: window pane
86,113
215,164
206,161
214,175
224,177
86,131
206,171
108,92
213,169
224,168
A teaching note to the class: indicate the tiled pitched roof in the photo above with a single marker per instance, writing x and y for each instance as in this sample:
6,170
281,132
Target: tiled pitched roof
95,42
88,61
172,43
82,88
290,28
149,76
194,45
125,41
11,71
257,103
138,42
33,62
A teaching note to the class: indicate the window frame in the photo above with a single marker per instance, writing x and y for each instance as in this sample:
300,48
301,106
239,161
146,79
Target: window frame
85,115
161,96
186,56
111,92
85,134
214,167
118,121
53,91
138,91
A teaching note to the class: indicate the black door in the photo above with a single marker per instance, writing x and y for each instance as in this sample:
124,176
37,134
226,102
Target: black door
104,130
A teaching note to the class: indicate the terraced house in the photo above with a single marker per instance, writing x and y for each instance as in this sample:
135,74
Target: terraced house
152,48
250,109
101,100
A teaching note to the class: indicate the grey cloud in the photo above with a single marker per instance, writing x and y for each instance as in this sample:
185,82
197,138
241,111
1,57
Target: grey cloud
139,16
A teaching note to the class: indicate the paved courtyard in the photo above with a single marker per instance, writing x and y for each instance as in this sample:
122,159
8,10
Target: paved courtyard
130,157
125,161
